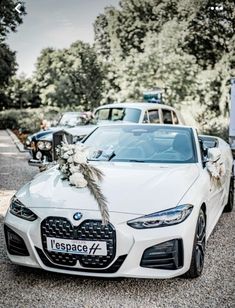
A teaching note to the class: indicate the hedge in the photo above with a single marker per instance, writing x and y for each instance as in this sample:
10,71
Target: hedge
27,120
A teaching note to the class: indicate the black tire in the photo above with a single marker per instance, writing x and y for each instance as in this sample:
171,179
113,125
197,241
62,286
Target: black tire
198,254
229,206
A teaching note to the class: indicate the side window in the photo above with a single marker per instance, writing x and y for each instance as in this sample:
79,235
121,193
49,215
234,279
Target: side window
102,114
117,114
154,116
146,119
175,118
166,115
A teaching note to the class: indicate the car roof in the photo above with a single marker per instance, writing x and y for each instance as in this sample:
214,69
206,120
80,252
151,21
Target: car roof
140,105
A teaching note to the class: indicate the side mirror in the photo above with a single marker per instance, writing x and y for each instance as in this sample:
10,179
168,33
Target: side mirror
213,154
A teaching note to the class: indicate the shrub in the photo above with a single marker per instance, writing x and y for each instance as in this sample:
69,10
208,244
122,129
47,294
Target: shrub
27,120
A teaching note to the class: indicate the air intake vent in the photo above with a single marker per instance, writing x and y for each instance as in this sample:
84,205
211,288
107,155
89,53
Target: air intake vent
167,255
15,244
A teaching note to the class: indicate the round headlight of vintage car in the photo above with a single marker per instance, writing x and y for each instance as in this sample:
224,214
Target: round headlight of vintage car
47,145
164,218
27,142
40,145
19,210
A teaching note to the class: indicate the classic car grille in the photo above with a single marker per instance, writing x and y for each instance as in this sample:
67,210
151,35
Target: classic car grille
60,227
58,138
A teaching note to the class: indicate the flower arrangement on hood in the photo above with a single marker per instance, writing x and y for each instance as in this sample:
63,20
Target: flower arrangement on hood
74,167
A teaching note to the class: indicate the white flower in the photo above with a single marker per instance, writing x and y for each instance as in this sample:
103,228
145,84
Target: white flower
80,157
70,152
65,155
70,159
64,168
78,180
74,169
216,169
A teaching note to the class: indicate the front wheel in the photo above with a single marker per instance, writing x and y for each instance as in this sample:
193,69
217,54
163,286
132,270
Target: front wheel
198,254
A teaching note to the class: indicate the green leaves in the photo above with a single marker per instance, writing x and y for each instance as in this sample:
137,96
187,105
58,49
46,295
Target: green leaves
69,77
183,46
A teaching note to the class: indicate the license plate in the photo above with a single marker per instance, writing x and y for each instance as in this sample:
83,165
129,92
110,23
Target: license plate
77,247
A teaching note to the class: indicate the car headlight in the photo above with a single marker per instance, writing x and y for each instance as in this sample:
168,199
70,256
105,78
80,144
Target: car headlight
27,142
40,145
44,145
164,218
19,210
47,145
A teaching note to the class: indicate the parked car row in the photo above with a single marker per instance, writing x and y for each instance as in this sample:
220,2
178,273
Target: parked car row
72,126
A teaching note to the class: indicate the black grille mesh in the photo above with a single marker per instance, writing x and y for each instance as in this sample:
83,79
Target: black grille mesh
60,227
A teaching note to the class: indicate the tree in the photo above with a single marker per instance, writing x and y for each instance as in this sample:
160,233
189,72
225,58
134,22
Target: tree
9,20
70,77
21,93
7,64
217,22
186,47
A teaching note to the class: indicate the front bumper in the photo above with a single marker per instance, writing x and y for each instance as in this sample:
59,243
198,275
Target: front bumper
37,163
40,158
130,245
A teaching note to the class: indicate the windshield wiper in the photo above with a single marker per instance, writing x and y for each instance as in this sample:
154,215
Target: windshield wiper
111,156
103,156
136,161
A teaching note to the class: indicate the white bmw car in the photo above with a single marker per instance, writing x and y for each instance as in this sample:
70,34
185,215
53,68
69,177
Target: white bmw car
166,188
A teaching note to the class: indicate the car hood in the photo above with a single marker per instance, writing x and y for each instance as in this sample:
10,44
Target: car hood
129,188
80,130
44,134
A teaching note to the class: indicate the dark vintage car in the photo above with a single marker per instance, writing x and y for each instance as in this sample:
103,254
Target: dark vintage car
41,145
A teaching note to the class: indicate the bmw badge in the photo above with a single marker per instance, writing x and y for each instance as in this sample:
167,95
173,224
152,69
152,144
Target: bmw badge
77,216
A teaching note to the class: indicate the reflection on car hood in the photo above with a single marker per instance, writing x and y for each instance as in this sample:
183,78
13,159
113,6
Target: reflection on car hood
45,134
129,188
80,130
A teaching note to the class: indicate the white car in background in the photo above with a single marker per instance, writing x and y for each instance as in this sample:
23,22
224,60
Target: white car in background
139,113
148,113
163,201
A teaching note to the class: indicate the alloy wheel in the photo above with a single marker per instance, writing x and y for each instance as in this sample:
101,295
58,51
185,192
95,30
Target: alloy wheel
200,242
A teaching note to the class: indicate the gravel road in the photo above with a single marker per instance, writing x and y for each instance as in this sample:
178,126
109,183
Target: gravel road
25,287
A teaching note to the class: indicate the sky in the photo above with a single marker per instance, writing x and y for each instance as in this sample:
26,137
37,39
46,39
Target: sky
53,23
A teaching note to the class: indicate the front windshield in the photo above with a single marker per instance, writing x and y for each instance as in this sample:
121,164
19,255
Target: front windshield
148,143
74,119
118,114
69,120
